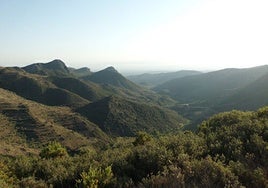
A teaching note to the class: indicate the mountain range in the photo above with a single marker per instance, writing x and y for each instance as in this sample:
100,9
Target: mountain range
50,101
43,102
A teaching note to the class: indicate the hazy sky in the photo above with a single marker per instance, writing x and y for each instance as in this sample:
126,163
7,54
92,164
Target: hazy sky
135,34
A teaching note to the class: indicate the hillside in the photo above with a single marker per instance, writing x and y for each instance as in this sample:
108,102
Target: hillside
121,117
208,88
37,88
203,95
250,97
88,90
27,124
228,150
152,80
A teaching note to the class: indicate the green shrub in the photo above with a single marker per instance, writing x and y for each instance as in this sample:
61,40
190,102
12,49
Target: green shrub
96,177
52,150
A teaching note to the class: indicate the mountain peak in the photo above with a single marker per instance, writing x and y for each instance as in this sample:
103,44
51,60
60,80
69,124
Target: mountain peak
53,67
110,69
56,64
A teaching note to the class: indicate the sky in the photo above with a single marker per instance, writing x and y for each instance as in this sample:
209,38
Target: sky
135,35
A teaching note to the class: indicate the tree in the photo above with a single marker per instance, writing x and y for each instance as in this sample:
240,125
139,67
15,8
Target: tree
53,150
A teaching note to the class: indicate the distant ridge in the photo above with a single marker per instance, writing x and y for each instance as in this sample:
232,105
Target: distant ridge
152,80
211,87
54,67
250,97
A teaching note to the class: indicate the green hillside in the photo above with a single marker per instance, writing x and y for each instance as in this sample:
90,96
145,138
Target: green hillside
228,150
251,97
28,124
37,88
88,90
211,87
203,95
121,117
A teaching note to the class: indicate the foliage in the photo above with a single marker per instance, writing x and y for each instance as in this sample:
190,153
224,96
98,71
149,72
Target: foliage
96,177
229,150
142,138
7,179
53,150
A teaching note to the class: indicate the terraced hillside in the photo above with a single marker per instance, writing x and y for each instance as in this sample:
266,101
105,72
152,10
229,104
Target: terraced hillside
29,123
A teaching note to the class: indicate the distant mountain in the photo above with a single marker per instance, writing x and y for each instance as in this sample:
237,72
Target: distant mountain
250,97
81,72
25,122
152,80
111,77
212,87
121,117
55,67
203,95
37,88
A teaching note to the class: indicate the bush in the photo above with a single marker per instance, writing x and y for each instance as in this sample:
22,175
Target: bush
52,150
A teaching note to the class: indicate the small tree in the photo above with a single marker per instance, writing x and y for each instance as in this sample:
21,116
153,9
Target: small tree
142,138
53,150
96,177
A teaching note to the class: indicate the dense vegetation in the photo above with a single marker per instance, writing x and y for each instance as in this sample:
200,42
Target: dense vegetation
229,150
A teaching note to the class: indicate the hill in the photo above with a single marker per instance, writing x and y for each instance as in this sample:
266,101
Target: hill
250,97
211,87
37,88
88,90
152,80
121,117
25,125
203,95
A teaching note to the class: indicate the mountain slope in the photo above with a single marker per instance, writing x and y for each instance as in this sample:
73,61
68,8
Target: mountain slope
152,80
211,87
55,67
37,88
121,117
88,90
27,122
251,97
